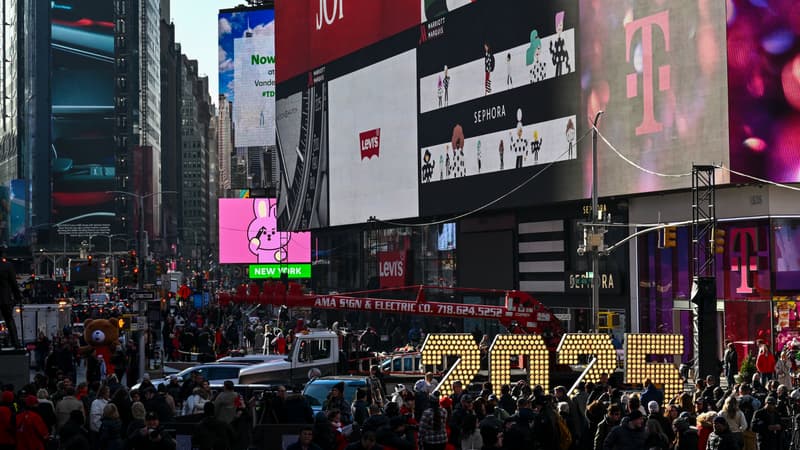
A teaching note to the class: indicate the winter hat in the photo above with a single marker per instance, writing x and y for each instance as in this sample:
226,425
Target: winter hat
635,414
720,419
652,406
31,401
445,402
8,397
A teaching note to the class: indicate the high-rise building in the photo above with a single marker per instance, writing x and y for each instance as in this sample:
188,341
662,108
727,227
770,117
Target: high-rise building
224,143
170,136
9,90
213,183
194,175
137,58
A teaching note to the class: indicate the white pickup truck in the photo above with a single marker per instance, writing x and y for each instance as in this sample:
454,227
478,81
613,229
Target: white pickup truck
312,349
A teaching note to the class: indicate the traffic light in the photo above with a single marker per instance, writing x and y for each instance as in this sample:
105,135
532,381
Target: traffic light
90,259
136,274
719,240
121,323
670,237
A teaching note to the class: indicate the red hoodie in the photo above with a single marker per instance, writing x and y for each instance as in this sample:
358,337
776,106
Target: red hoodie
765,362
6,434
31,431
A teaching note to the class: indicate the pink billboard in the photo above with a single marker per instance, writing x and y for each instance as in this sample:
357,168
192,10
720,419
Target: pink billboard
248,234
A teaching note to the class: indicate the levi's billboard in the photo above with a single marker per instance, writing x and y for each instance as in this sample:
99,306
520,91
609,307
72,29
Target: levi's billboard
393,269
310,33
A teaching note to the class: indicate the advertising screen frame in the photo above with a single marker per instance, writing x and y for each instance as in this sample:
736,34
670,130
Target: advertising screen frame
248,234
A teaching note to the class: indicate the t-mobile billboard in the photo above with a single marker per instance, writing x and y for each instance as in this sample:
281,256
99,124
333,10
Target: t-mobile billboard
247,73
764,89
248,234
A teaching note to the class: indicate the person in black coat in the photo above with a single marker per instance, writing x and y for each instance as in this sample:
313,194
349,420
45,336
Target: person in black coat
212,433
767,425
9,296
72,434
298,410
721,438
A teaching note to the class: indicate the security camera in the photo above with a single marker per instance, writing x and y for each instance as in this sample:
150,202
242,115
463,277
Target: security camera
581,250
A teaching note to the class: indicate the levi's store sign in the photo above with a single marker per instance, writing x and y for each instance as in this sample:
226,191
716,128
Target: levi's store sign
370,143
393,269
314,32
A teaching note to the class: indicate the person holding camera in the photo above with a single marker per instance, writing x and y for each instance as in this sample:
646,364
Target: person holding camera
152,436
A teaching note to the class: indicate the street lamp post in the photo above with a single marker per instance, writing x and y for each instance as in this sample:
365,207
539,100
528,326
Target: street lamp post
140,279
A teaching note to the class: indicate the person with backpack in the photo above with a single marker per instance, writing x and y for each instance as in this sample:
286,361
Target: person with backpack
747,403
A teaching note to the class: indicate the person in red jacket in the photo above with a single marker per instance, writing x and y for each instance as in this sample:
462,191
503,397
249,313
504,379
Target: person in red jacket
765,362
7,441
31,431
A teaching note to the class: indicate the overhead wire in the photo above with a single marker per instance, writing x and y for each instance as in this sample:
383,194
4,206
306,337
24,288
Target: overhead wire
546,167
485,205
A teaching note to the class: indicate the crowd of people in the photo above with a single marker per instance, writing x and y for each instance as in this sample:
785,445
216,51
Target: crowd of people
597,416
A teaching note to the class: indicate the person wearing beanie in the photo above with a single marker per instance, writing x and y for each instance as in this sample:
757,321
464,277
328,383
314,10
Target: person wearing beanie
685,435
655,414
138,413
629,434
767,425
31,429
337,401
721,438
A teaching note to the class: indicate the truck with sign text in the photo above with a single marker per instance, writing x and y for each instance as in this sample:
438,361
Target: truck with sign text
517,311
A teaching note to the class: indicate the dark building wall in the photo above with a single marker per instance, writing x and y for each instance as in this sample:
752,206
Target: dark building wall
170,135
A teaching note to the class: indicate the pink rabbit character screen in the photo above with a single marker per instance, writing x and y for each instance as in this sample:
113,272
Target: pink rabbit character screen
248,234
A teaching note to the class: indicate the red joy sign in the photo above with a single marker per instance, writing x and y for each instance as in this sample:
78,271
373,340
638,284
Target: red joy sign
370,143
393,270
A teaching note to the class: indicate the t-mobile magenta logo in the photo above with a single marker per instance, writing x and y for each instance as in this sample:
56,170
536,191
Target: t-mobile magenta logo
746,261
645,24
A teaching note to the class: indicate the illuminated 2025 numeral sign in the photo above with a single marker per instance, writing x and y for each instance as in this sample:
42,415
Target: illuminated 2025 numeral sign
598,347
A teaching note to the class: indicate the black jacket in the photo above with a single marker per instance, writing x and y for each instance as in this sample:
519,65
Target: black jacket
723,441
623,437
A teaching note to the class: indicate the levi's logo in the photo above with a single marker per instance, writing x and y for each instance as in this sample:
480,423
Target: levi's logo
370,143
392,268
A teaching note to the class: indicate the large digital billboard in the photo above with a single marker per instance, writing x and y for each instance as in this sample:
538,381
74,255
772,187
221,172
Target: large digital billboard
247,73
657,69
82,91
764,89
249,234
505,92
497,103
371,155
311,33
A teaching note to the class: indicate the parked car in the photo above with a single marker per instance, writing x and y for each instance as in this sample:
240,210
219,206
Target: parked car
316,390
214,373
